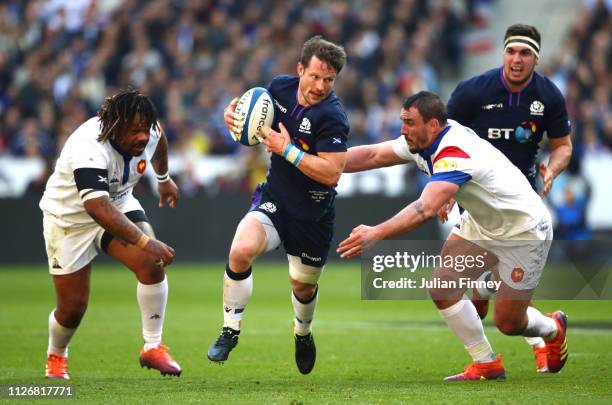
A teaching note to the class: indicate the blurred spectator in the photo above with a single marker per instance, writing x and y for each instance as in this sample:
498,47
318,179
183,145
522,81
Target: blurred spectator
570,201
60,58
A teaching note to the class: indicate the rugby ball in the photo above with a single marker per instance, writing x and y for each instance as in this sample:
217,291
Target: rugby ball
255,107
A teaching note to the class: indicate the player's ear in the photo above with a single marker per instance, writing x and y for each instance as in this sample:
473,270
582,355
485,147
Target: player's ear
434,124
300,69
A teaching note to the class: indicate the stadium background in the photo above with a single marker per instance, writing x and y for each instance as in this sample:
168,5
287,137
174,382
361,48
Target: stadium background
60,58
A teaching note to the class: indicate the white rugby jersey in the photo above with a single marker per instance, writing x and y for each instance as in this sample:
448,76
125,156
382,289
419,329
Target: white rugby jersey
100,169
493,191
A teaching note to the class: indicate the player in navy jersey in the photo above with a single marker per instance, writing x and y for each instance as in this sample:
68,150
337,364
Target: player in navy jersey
513,106
295,206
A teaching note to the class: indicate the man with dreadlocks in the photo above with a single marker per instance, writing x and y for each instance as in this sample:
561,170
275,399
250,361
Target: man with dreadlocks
88,206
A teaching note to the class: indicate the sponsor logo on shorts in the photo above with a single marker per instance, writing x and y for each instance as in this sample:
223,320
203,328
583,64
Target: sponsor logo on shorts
517,274
312,259
268,207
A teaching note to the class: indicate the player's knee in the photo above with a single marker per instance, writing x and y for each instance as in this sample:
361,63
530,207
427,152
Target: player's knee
509,327
302,291
153,273
69,313
242,256
439,291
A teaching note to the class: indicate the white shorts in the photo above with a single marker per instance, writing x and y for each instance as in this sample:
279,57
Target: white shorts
521,259
70,249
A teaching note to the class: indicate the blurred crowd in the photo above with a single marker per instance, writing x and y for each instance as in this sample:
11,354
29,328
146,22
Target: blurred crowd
60,58
583,72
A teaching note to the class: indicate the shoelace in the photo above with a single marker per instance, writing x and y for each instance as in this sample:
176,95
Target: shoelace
225,337
57,365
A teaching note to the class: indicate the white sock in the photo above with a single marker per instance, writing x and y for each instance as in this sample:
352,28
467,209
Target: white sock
483,291
535,342
463,320
59,337
539,325
304,313
237,290
152,299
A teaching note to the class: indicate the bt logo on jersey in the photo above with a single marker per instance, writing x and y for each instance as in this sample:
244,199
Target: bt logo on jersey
498,133
522,134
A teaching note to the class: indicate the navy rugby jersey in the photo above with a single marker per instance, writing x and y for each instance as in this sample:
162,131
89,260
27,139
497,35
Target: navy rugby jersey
322,127
513,122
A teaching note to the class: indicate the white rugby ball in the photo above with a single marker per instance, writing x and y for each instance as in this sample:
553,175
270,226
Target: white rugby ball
257,109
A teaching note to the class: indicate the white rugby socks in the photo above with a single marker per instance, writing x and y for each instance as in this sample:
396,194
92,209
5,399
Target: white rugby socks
539,325
237,290
59,337
152,299
304,313
463,320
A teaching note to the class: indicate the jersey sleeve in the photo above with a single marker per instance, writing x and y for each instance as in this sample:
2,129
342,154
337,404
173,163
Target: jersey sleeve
333,134
400,148
89,165
460,104
452,164
155,135
557,121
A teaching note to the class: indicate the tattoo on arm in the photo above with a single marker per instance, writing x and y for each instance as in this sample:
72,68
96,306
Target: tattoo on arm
418,207
113,221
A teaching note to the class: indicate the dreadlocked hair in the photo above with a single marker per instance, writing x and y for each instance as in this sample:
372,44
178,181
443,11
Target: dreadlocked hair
119,110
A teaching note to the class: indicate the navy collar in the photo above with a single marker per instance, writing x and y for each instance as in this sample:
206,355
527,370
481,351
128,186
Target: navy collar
426,154
126,156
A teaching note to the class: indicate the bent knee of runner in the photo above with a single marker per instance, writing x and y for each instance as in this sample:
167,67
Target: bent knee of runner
242,255
444,287
510,327
70,311
301,290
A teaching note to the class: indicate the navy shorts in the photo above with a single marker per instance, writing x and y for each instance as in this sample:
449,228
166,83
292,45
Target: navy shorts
308,240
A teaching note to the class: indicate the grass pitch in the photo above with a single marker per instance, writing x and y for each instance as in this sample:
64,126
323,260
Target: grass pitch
368,351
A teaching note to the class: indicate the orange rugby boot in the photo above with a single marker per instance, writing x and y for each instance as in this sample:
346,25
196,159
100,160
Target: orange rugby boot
57,367
540,355
557,348
490,370
159,359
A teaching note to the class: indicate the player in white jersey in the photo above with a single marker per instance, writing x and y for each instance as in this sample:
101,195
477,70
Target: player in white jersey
505,221
88,207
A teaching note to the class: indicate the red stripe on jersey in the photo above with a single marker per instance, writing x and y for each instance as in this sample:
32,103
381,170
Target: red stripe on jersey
451,151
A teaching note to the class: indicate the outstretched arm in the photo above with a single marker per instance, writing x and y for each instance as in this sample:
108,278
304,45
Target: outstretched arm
363,237
367,157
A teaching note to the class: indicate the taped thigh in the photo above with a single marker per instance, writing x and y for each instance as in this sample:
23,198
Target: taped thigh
302,272
272,237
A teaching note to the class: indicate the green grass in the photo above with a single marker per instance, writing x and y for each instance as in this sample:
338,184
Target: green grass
368,351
